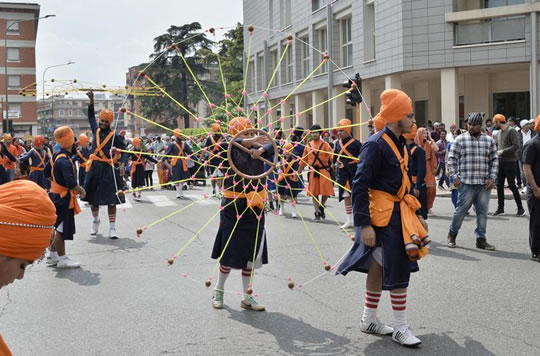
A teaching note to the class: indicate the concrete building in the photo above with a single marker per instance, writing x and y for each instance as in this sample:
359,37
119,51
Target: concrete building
60,110
20,62
451,56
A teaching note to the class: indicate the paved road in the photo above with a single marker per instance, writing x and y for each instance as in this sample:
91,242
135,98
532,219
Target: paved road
126,300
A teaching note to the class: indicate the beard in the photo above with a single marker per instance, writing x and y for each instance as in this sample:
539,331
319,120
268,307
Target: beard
403,128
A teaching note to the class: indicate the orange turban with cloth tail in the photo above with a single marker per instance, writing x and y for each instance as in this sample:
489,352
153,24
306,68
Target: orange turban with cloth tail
537,124
499,118
345,125
239,124
106,114
83,139
136,142
378,122
395,105
64,136
39,140
27,220
411,135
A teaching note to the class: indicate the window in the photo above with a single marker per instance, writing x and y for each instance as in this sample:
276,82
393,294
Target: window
271,14
273,63
14,81
285,16
346,43
252,77
369,30
498,29
12,27
287,65
304,52
317,4
260,72
14,110
515,104
13,54
498,3
70,113
322,46
61,113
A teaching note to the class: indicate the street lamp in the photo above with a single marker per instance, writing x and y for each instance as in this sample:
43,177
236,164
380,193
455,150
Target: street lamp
45,71
5,120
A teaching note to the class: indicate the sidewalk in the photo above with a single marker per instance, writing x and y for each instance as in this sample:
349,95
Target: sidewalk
445,193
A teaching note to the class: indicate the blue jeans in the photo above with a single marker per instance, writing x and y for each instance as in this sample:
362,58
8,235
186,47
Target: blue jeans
472,194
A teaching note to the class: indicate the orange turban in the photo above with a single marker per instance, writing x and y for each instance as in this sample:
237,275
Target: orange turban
215,127
27,220
136,142
395,105
83,139
39,140
64,136
177,132
378,122
7,137
239,124
499,118
288,147
347,123
106,114
537,124
411,135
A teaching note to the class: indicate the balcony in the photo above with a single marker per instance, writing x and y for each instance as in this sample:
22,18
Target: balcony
494,30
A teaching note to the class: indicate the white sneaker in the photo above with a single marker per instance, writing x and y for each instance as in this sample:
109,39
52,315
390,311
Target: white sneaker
67,262
405,337
112,233
375,327
347,225
95,227
251,304
293,214
51,261
281,210
217,300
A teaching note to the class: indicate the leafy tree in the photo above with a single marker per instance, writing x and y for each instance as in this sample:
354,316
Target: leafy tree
231,50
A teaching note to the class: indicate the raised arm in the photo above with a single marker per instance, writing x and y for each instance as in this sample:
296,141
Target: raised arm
92,113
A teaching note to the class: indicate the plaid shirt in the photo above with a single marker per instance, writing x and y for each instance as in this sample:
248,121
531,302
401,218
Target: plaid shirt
473,160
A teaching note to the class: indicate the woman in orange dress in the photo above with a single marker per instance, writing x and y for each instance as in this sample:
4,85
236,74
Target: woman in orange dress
319,156
422,140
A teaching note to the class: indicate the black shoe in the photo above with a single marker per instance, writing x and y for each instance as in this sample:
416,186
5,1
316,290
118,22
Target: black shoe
317,217
521,212
271,206
483,245
535,257
451,240
321,212
498,212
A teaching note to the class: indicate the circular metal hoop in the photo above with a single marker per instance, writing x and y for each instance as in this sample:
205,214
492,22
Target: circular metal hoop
247,150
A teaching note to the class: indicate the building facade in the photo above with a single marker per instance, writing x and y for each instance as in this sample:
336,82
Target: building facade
61,110
18,32
451,56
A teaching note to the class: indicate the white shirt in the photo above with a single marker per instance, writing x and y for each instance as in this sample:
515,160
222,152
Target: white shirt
526,136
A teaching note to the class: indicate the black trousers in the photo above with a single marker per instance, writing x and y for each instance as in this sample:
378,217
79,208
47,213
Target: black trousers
534,224
148,178
507,170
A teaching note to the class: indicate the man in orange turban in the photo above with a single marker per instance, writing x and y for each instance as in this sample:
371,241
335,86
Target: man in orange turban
180,171
26,226
531,168
389,236
38,157
61,170
9,164
138,171
346,154
104,169
216,154
6,157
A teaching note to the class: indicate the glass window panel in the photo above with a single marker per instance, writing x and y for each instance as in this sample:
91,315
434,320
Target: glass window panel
507,29
14,81
13,54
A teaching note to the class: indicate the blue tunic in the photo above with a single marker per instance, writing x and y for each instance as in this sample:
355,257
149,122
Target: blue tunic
345,174
37,176
379,169
85,152
289,187
64,174
4,153
418,170
214,149
102,180
178,171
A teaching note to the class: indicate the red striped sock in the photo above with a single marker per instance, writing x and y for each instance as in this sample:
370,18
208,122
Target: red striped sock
348,209
399,308
246,277
224,269
370,305
222,276
112,218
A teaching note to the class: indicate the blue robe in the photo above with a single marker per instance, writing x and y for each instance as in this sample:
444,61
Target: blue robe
178,171
346,173
4,153
37,176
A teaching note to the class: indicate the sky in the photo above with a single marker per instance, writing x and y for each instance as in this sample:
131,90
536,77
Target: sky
106,37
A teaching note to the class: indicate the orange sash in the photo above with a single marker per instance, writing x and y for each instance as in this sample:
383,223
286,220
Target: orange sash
41,166
215,146
174,161
134,164
84,159
343,150
286,168
255,199
414,178
381,206
4,349
98,154
63,191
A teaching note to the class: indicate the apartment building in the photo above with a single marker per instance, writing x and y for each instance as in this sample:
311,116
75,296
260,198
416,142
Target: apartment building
451,56
18,31
71,110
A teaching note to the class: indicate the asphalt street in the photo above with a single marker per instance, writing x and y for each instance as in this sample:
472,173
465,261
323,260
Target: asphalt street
127,300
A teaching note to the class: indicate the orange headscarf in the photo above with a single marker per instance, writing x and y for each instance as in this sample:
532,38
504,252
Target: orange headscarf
239,124
136,142
411,135
39,141
395,105
378,122
499,118
347,125
106,114
27,220
83,139
419,139
64,136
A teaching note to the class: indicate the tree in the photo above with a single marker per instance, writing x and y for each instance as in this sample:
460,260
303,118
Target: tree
172,74
231,50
